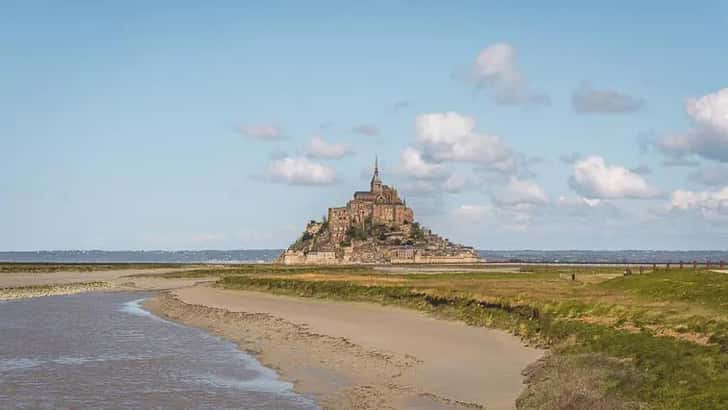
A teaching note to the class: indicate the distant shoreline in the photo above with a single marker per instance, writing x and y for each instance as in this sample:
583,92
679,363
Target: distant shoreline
233,257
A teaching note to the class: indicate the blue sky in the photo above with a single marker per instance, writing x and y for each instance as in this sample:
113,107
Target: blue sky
201,125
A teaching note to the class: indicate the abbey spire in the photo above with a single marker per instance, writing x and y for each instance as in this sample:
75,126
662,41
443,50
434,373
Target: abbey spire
376,184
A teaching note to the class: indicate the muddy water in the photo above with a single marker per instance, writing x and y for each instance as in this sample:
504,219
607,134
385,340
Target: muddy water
102,350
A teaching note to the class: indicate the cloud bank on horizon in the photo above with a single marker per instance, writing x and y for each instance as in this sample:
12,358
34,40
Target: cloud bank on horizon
499,135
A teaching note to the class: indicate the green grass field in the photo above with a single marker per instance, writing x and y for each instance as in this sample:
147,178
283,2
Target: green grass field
656,340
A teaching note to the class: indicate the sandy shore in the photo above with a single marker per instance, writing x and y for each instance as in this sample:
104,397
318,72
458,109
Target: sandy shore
358,355
344,355
17,279
52,290
15,285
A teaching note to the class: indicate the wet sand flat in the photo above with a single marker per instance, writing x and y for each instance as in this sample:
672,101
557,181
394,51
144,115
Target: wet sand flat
18,285
17,279
360,355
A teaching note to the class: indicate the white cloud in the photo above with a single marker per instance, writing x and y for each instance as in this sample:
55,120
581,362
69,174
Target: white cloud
514,207
414,165
712,175
450,136
710,110
709,135
593,178
642,169
585,213
455,183
587,100
266,132
575,212
516,217
682,199
436,184
578,201
496,67
318,148
299,171
710,204
518,192
421,188
367,130
472,212
519,204
680,162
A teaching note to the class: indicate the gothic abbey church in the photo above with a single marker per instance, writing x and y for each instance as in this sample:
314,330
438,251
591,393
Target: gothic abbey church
380,205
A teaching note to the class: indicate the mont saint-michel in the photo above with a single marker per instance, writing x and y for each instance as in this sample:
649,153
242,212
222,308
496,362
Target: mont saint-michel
376,226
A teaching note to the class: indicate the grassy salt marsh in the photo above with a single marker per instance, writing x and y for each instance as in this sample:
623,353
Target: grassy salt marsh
656,340
652,340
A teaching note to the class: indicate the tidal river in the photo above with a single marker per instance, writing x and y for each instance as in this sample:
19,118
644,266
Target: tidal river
102,350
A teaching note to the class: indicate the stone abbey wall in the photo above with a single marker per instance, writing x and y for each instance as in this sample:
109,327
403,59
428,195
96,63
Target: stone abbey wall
359,211
312,258
383,215
339,222
403,215
396,256
393,216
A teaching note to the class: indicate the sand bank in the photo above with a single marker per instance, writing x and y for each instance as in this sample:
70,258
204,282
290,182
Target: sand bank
358,355
15,285
51,290
17,279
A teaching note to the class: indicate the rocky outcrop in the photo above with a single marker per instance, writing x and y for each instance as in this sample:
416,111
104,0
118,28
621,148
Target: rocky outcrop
376,245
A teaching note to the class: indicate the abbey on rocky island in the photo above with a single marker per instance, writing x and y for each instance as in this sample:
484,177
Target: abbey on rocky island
378,206
376,226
